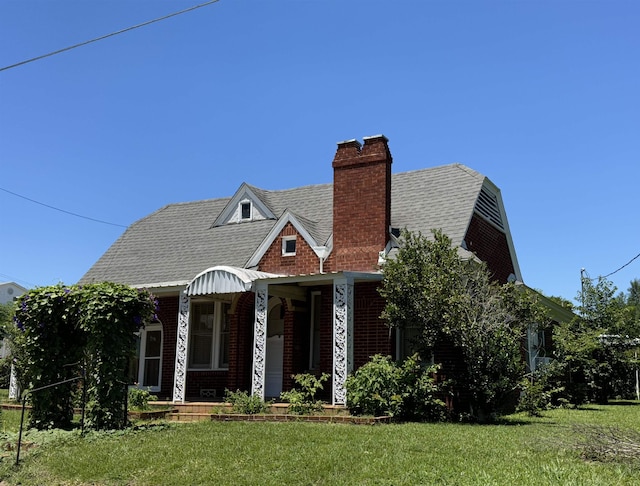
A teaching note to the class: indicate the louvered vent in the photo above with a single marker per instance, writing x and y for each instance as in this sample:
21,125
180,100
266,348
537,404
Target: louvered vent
487,206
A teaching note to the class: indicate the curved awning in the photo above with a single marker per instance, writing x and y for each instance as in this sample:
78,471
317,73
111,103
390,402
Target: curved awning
224,280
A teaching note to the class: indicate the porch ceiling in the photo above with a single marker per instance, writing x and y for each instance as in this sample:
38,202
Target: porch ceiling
224,280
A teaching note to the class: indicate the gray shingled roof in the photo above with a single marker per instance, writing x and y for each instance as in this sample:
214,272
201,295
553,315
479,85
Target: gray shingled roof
175,243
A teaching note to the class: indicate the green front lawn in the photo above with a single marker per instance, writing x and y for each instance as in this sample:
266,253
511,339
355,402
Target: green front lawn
522,451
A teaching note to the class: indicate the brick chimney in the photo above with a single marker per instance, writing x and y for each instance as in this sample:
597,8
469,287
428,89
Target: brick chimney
361,203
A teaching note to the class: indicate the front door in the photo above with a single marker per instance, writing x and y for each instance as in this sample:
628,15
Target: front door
275,352
273,367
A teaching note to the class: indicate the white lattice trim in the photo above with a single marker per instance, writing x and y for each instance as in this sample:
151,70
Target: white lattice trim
342,338
259,341
182,345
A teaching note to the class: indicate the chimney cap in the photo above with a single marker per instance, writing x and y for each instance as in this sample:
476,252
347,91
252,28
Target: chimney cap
375,137
352,141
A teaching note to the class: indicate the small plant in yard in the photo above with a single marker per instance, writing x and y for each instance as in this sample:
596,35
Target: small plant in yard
242,402
139,399
302,399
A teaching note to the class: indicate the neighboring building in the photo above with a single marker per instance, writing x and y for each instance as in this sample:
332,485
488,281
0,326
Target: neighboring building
9,291
262,285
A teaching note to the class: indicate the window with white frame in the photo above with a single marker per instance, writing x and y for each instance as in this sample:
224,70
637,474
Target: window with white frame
288,245
209,336
144,367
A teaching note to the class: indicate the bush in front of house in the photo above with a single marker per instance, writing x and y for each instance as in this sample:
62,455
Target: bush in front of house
406,391
302,398
244,403
139,398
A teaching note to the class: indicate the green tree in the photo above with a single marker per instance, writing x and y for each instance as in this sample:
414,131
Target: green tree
594,361
6,314
455,305
633,297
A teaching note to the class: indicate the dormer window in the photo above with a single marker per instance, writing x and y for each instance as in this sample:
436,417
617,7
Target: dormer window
245,210
288,246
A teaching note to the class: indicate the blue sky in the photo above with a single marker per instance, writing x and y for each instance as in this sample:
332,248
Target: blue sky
541,96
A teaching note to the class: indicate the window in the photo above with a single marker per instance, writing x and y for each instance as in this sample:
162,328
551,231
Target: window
408,341
288,245
144,368
245,210
209,339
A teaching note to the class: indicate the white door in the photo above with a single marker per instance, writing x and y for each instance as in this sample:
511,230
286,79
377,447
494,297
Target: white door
273,366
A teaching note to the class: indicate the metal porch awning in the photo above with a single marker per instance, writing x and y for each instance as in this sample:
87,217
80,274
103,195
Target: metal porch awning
225,280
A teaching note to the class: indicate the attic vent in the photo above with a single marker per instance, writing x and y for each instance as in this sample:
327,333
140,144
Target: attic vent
487,206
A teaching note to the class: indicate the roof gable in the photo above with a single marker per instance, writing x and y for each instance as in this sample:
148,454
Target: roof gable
233,211
297,222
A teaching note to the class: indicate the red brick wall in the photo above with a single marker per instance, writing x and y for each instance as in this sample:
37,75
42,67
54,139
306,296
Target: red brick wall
168,315
207,379
371,334
490,244
240,343
305,260
361,203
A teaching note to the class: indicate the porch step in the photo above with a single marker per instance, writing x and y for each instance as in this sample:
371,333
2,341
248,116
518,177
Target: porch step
195,411
188,417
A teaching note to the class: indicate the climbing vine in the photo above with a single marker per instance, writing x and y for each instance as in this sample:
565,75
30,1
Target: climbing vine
60,330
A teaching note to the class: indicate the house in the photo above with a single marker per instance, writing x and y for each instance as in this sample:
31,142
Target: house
9,291
264,284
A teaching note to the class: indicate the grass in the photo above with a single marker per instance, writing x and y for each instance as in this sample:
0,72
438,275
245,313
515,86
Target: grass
521,450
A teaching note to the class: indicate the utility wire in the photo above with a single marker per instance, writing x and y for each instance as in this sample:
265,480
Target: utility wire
16,280
625,265
583,272
61,210
108,35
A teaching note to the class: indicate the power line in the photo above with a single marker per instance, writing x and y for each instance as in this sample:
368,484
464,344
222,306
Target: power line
583,272
108,35
62,210
625,265
16,280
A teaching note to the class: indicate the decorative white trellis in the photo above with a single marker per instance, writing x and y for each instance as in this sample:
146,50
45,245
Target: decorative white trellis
260,340
182,346
342,337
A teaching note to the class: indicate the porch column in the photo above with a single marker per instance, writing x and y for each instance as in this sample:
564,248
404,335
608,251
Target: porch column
14,388
182,347
259,340
342,337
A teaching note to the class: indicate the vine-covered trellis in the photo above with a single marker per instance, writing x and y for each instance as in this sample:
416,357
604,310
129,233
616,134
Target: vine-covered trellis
60,329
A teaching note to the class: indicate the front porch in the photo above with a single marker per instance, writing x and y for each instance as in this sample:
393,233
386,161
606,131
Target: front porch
264,328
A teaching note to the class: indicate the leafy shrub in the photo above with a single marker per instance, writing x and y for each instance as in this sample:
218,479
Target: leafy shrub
139,398
420,391
543,390
374,389
406,391
5,371
302,400
242,402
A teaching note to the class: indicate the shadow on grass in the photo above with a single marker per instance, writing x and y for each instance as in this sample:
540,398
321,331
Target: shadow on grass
624,402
